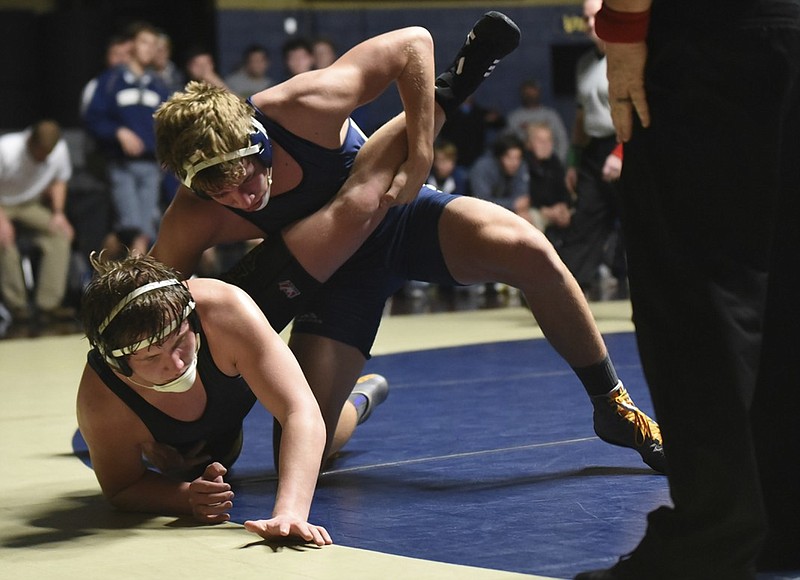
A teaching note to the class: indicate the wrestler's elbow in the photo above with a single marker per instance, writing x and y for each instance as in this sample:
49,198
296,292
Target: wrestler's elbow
359,202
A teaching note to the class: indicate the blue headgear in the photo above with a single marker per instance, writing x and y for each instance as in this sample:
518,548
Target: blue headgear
259,145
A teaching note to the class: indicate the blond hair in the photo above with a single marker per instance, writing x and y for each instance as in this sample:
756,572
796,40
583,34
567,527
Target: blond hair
531,128
200,123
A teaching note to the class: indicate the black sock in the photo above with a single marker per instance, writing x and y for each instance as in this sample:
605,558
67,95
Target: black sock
598,379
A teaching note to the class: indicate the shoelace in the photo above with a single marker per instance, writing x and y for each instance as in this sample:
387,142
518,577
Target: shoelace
646,428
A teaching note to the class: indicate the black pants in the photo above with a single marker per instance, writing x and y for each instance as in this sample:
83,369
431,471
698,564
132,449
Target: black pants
591,238
711,205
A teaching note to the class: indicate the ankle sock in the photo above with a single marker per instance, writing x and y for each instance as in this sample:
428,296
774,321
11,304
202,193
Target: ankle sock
598,379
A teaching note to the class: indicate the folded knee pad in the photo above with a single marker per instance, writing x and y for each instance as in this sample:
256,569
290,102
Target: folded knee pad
275,280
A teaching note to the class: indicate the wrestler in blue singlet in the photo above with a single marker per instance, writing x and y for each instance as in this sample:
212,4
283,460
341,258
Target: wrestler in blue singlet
229,400
404,246
324,173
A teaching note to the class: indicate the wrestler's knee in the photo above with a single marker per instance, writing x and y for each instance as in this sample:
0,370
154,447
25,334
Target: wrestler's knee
545,266
525,256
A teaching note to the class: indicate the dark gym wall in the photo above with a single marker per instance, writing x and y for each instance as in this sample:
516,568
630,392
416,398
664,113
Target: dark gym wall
46,57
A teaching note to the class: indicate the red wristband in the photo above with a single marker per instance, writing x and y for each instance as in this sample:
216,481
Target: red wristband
617,152
626,27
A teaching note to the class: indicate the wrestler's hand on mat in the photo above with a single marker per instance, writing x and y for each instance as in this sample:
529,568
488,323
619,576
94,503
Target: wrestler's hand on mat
287,525
210,497
168,459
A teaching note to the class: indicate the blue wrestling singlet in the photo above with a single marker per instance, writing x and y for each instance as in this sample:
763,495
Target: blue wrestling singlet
404,246
324,172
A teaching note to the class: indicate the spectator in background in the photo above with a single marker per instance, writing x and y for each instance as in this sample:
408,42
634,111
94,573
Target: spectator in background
446,175
469,127
298,56
593,246
164,66
531,110
251,76
119,116
118,53
34,169
501,176
200,66
174,79
324,51
551,202
118,50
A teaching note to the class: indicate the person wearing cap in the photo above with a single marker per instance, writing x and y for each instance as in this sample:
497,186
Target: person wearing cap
173,370
348,222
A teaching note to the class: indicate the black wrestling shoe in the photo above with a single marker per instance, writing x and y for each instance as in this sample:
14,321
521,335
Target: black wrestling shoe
493,37
619,422
374,388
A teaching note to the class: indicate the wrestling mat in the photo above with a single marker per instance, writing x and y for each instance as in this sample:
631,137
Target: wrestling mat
483,455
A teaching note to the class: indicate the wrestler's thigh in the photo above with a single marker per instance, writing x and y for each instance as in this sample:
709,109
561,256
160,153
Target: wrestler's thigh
483,242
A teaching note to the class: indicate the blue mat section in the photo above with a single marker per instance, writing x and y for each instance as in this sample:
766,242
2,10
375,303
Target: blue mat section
482,455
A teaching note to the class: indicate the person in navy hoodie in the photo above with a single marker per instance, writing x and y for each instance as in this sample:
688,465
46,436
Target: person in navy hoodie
119,115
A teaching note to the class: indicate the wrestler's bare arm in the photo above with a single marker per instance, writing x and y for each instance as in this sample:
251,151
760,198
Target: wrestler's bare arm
315,105
243,343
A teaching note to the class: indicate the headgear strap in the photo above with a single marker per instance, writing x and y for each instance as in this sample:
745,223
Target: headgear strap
130,297
147,342
193,168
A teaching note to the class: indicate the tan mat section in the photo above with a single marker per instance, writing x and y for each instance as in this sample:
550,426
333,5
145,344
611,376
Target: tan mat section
55,524
409,333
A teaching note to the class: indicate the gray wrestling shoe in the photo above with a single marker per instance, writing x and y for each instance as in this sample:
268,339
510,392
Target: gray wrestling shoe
619,422
370,391
492,37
